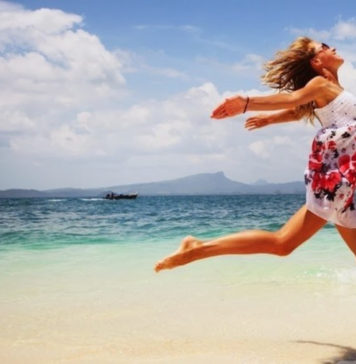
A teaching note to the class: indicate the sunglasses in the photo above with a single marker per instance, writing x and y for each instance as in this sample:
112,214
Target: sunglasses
323,47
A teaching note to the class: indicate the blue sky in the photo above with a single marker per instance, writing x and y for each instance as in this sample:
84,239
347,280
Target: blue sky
182,34
117,92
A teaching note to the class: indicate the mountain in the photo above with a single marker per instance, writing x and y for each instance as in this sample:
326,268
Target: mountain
205,183
198,184
260,182
21,193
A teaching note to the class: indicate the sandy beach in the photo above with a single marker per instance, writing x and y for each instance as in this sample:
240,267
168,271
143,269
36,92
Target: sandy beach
75,305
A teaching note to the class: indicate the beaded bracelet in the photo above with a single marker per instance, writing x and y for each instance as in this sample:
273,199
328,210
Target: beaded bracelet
246,104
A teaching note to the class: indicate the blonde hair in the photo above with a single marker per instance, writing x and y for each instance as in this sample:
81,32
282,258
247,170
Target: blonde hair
290,70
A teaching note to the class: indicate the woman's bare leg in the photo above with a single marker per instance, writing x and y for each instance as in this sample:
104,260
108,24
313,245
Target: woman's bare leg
299,228
349,236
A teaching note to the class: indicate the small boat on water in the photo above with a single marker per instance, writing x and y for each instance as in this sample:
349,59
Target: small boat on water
114,196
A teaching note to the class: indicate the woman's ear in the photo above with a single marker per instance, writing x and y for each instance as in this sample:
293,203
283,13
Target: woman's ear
316,64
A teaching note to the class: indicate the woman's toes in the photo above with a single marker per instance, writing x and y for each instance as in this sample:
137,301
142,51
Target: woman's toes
159,266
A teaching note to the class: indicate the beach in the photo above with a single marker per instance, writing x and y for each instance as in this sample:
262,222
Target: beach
102,302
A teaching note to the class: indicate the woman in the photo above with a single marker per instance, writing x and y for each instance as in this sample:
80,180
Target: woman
307,70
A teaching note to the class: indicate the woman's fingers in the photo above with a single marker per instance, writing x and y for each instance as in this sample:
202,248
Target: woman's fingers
252,126
219,111
219,115
255,122
230,107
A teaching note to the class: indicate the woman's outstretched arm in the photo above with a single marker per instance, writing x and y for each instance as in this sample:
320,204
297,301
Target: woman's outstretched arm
236,105
261,120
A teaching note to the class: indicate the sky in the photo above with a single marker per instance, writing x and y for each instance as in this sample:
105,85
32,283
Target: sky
102,93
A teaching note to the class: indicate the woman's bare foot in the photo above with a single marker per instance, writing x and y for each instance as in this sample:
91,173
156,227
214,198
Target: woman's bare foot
172,261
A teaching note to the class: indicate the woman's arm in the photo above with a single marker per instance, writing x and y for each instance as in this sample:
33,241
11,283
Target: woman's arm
261,120
237,104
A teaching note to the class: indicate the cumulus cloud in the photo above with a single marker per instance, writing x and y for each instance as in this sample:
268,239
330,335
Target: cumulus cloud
47,59
177,125
342,30
264,148
15,21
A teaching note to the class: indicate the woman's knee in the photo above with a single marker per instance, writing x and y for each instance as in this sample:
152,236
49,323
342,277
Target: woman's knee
284,245
298,229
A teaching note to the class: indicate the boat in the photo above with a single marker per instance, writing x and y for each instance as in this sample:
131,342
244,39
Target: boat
115,196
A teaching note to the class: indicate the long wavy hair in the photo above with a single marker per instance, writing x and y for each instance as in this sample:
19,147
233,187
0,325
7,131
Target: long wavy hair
290,70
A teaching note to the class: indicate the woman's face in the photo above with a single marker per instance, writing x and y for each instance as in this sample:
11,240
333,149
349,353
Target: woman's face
326,56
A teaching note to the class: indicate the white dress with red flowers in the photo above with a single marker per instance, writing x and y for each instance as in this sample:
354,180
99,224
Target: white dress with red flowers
330,177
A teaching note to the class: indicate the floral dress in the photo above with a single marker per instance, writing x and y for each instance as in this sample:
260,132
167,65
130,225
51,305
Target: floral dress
330,176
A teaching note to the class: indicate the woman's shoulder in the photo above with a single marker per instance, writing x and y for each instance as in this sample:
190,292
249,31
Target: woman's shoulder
327,91
318,81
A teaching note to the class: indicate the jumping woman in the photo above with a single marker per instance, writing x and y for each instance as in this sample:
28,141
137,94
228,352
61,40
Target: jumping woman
308,71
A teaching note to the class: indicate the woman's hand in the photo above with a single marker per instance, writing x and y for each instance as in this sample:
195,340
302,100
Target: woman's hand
257,121
231,107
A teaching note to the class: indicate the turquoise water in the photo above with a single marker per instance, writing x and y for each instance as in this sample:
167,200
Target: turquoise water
49,223
144,230
78,285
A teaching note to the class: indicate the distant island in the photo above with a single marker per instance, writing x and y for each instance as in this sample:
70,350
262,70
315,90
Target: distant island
198,184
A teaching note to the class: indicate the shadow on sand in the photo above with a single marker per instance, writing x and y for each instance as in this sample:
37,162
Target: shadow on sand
347,354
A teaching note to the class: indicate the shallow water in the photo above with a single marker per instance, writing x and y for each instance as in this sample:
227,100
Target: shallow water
139,232
77,280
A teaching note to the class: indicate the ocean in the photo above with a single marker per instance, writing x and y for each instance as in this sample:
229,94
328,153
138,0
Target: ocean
78,285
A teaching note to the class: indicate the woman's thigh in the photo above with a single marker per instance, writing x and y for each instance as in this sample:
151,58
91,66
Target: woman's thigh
301,226
349,236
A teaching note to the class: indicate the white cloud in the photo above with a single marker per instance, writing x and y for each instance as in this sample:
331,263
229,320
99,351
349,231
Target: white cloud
345,29
311,32
45,21
51,69
259,147
7,6
251,62
15,120
265,148
342,30
46,60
